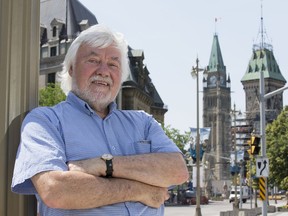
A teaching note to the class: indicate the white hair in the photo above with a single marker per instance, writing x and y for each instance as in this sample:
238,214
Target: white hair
98,36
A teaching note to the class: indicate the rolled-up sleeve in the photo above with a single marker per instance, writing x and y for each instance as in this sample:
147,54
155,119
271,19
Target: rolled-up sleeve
41,149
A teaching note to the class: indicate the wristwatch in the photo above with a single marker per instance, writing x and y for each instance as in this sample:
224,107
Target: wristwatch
109,164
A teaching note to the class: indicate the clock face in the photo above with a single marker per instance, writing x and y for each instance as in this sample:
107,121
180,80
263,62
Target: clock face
222,80
213,80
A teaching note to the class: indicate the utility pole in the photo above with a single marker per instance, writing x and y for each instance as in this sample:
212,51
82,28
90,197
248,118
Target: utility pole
263,98
263,134
234,113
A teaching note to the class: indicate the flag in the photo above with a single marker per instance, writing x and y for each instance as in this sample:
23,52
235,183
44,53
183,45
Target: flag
204,134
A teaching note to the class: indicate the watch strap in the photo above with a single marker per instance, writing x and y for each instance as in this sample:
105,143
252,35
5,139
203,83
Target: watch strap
109,168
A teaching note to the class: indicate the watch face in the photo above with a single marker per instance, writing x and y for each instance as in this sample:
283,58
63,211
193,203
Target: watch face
107,156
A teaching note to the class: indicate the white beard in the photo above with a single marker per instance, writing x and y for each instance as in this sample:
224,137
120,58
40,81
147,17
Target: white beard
93,98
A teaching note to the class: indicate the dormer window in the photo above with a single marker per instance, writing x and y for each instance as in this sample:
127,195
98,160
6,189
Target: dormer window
56,27
256,68
254,55
84,24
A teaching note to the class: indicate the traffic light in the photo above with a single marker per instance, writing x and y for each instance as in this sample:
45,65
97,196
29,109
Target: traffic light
249,150
254,143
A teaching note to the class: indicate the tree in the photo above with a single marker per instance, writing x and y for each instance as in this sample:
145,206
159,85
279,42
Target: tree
277,150
51,95
179,139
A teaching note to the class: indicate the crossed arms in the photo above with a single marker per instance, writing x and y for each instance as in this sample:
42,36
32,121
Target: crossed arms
140,178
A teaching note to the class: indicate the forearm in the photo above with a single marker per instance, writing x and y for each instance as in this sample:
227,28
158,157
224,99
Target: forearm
159,169
77,190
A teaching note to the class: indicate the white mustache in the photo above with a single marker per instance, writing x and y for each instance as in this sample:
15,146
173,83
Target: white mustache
101,79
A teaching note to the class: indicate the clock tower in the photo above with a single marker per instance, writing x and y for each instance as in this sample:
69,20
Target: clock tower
216,114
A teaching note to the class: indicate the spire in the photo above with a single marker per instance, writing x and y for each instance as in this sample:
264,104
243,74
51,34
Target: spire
216,63
263,59
262,27
262,37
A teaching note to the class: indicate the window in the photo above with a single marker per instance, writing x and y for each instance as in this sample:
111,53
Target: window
53,51
54,31
51,78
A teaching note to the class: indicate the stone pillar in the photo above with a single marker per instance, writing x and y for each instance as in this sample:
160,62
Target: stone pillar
19,68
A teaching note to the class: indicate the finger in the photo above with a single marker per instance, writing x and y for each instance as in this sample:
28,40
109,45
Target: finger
167,195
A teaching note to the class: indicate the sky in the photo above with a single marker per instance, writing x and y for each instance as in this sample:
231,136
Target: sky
173,34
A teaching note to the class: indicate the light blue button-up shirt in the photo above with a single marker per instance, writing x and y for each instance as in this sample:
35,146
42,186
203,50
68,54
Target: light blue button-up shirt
71,130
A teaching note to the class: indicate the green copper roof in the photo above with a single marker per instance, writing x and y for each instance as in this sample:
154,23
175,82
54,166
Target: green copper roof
263,60
216,63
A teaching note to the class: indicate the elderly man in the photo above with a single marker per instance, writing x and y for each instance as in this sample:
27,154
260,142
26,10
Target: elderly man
86,157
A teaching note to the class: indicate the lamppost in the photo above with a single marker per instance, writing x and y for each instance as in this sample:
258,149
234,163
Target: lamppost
195,74
234,112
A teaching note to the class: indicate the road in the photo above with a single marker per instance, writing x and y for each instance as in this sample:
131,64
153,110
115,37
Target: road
215,207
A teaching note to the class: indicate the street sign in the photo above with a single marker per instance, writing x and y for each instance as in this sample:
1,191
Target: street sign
262,167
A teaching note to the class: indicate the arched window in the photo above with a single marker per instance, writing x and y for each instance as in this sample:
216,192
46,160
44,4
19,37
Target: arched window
54,31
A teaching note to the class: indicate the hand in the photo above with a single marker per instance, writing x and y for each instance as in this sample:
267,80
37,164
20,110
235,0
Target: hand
155,196
76,166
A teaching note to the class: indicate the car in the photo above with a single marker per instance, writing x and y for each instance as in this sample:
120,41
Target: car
203,200
281,192
190,198
244,195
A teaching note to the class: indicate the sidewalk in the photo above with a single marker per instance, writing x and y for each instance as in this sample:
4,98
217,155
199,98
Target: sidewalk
215,207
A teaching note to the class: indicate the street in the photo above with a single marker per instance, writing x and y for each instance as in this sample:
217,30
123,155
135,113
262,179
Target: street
215,207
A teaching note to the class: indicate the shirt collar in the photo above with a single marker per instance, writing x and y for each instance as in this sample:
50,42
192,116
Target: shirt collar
84,106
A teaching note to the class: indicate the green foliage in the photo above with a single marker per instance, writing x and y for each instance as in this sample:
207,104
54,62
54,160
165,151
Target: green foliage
277,150
51,95
179,139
